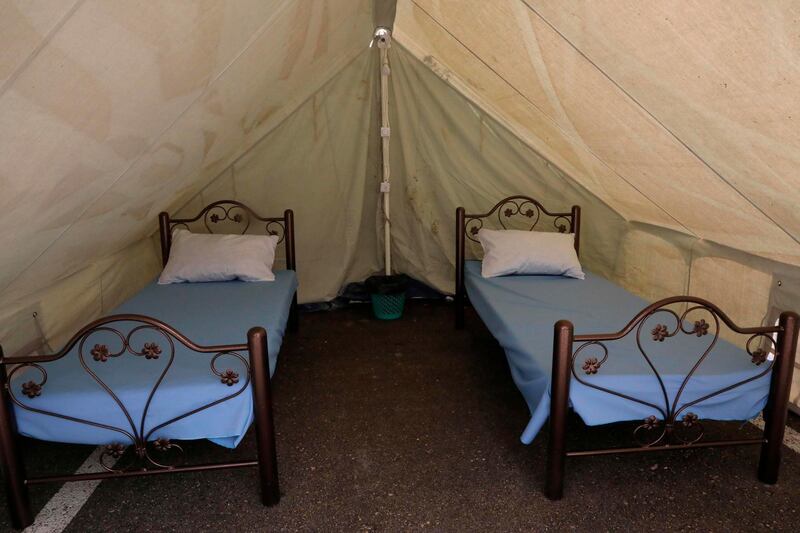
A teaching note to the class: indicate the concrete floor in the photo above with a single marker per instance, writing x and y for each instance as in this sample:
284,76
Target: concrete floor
411,425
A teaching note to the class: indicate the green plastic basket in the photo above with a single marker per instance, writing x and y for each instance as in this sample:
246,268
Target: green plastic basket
388,306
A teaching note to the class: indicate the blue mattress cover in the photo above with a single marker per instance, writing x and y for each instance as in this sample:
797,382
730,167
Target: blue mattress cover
208,314
520,311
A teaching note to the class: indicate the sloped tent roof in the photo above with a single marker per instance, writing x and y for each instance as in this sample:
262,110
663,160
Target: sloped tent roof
674,124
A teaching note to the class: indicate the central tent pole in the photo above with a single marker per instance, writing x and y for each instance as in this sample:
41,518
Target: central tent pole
383,37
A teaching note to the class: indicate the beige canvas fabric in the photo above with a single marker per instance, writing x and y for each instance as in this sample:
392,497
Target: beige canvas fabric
113,111
673,124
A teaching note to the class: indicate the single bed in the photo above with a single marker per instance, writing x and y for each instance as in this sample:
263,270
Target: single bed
673,372
174,362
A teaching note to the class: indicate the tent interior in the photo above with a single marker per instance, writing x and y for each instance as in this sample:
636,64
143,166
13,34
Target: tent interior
674,125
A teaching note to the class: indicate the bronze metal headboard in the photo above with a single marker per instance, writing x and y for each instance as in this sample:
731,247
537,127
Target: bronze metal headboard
242,217
237,214
520,208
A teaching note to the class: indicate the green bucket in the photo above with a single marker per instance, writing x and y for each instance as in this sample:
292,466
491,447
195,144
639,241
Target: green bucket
388,295
388,306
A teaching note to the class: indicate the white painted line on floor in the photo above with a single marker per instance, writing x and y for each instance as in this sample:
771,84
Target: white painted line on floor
791,438
56,515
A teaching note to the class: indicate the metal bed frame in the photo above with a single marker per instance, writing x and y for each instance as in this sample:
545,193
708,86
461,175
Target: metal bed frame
671,426
149,338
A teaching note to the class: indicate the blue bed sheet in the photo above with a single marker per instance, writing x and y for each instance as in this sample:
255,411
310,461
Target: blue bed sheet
208,314
520,312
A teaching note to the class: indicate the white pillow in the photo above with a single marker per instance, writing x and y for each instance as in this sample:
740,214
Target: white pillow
528,252
208,257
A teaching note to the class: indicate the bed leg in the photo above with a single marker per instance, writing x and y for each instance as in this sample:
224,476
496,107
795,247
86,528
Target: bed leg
265,425
291,263
19,506
460,255
459,302
775,413
294,319
559,404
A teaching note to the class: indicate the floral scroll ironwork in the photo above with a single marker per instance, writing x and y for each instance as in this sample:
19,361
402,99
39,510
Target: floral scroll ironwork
520,211
144,445
233,214
672,422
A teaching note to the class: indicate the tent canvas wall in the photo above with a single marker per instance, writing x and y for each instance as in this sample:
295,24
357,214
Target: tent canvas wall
673,124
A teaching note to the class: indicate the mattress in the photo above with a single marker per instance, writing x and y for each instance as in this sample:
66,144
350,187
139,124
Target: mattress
520,311
206,313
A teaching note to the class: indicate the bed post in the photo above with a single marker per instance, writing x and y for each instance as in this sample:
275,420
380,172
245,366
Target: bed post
166,236
291,264
459,292
19,506
262,407
576,227
775,412
559,404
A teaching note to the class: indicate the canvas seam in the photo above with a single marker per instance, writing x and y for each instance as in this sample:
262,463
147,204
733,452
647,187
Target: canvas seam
155,141
290,113
660,123
38,49
555,124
